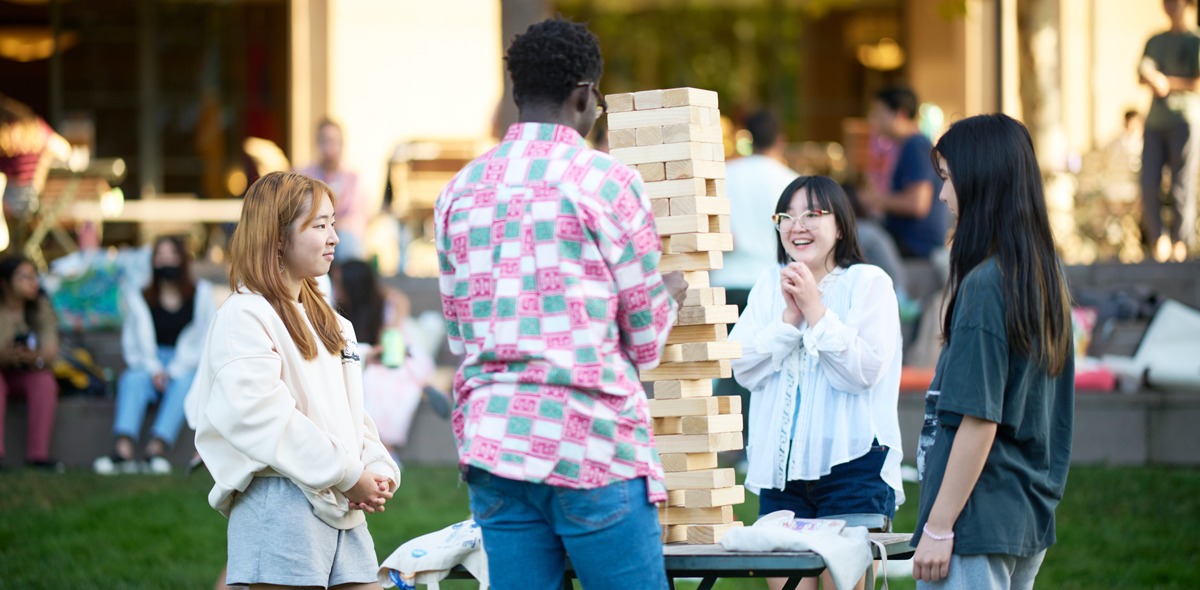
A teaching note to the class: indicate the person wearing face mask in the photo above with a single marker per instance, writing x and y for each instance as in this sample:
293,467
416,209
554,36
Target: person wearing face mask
162,337
821,357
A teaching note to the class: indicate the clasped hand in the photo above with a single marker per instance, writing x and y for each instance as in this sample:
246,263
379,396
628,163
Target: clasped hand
801,298
370,493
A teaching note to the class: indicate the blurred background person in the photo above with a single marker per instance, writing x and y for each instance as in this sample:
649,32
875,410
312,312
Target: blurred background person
161,338
911,214
27,148
1171,67
753,184
28,345
879,249
350,214
396,366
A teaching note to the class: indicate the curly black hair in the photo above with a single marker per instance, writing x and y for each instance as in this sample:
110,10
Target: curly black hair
550,59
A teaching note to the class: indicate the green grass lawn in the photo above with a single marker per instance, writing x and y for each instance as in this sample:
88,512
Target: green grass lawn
1118,528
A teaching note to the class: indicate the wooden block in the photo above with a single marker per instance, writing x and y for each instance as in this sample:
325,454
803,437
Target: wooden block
696,279
698,333
704,295
691,352
690,261
730,496
677,462
621,138
714,187
667,425
652,172
683,132
718,224
729,404
663,152
681,243
694,168
662,208
710,117
684,187
715,314
688,515
649,99
709,351
619,103
673,371
709,424
699,205
683,224
708,534
707,479
683,389
671,116
696,406
648,135
675,534
699,443
676,97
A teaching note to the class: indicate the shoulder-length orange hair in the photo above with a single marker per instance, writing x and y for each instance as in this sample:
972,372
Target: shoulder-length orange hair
270,209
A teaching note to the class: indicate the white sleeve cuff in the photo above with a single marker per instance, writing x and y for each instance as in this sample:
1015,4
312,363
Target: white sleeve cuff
829,335
778,340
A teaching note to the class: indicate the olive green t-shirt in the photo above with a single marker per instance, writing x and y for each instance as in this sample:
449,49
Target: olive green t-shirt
1011,509
1174,54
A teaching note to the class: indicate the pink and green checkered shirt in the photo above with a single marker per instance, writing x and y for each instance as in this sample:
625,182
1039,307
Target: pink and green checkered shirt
550,288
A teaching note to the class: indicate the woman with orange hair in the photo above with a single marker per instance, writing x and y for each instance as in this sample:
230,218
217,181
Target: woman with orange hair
279,403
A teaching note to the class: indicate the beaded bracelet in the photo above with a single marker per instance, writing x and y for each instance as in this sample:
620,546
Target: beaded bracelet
925,530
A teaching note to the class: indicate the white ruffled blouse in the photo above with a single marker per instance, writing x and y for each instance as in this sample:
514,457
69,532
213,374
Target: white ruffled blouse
834,385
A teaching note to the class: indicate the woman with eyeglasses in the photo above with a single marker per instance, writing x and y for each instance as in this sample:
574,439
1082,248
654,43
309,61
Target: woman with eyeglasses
821,357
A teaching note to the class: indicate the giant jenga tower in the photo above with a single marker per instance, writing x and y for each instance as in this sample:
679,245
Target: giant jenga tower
673,137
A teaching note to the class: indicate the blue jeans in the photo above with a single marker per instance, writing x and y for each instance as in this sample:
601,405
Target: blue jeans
854,487
135,392
611,534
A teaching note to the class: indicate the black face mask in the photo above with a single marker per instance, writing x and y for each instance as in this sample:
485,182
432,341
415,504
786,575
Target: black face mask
168,273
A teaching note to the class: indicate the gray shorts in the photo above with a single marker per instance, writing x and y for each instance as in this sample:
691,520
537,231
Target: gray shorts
274,538
989,572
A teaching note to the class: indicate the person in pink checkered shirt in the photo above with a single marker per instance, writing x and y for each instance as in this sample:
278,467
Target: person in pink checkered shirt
550,286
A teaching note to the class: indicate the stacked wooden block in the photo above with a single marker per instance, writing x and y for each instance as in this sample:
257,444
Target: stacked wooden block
673,138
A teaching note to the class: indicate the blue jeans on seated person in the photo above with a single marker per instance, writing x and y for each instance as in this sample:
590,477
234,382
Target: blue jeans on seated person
135,392
854,487
611,534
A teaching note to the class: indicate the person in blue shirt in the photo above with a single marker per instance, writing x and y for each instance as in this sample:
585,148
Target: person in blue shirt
911,212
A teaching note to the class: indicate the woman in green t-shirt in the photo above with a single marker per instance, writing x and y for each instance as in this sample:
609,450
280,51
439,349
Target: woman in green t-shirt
996,446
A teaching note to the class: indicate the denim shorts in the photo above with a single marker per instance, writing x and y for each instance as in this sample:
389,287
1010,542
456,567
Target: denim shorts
274,538
854,487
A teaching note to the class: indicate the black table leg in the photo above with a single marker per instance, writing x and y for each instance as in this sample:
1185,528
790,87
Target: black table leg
792,583
707,582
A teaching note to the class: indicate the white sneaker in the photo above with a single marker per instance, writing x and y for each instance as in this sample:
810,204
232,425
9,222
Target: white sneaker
114,465
157,465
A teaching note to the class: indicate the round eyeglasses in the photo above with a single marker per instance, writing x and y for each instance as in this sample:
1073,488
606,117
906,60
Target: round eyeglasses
809,220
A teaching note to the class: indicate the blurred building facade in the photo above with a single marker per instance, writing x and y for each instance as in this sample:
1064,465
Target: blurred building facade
176,86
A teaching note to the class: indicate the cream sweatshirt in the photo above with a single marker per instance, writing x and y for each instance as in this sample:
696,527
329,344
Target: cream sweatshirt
263,411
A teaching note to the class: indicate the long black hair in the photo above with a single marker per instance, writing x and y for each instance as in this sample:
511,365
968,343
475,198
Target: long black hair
824,193
1002,214
8,269
361,300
